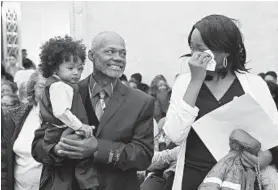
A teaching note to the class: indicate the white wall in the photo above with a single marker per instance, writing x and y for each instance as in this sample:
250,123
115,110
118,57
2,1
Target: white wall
156,32
41,21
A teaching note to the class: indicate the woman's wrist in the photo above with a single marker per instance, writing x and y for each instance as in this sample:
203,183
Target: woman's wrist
192,92
196,82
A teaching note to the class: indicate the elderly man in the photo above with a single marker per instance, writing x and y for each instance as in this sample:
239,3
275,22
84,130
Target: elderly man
123,120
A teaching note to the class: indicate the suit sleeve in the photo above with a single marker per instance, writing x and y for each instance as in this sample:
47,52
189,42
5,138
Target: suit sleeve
139,152
43,152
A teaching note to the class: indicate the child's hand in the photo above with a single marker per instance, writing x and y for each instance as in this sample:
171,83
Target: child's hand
86,131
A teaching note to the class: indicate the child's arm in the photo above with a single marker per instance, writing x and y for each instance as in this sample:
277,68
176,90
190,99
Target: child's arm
61,96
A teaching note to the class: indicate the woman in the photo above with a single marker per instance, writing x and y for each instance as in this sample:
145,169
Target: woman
23,172
158,85
8,87
10,100
4,75
13,65
199,92
161,91
9,96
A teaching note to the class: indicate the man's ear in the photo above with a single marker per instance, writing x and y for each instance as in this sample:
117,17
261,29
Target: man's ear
91,55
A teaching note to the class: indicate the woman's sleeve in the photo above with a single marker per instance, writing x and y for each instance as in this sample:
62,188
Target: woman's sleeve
180,115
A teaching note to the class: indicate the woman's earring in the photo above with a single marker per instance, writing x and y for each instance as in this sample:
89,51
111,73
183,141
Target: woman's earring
225,62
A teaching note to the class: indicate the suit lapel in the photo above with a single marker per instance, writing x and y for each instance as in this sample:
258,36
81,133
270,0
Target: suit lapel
83,88
114,103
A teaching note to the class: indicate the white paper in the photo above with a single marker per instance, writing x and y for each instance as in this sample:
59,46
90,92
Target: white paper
242,113
212,64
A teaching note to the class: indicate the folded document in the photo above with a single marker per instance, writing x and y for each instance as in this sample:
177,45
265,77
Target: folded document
242,113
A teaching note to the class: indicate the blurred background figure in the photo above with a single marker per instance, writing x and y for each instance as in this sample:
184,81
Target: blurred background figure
273,87
22,92
8,87
19,169
262,75
123,79
26,59
9,100
133,84
158,85
161,91
13,65
137,78
271,76
144,87
22,76
4,75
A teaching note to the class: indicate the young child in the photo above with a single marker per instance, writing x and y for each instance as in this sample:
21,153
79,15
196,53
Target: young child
61,105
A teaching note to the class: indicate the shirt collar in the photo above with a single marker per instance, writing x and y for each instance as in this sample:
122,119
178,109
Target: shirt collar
95,88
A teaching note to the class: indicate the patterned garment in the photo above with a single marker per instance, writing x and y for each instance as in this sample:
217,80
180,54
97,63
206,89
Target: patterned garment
229,173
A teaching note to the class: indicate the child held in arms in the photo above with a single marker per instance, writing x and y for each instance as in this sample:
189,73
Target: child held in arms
61,106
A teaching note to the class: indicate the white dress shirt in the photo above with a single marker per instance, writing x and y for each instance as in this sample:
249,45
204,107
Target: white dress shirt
61,95
27,171
180,115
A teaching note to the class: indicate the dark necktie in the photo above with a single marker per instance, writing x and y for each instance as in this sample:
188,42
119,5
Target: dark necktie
100,106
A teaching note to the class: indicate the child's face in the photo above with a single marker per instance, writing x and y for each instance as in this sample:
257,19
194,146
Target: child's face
70,71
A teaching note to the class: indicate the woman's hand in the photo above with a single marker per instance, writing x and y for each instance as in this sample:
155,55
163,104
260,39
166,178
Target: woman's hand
251,161
198,64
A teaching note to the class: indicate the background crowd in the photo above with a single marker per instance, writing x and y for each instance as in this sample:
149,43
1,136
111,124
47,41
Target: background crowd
23,84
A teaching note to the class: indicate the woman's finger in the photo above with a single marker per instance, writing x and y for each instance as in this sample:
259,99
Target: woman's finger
206,60
203,56
196,55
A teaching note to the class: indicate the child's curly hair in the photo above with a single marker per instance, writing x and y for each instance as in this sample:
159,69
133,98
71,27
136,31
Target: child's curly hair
58,49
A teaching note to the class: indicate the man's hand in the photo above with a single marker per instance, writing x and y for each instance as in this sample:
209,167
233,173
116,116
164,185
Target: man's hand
77,149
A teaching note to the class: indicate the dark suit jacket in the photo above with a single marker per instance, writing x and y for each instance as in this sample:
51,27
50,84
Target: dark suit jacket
125,138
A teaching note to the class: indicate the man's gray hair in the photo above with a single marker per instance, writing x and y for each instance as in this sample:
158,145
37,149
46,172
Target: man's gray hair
99,37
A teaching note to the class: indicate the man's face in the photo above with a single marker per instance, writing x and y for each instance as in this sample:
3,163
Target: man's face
110,56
